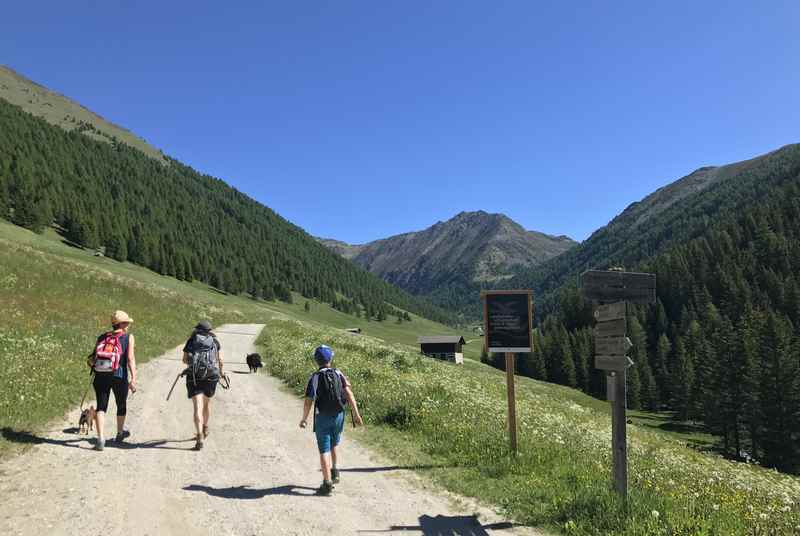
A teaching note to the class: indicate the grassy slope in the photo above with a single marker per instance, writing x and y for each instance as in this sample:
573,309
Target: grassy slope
64,112
449,422
49,322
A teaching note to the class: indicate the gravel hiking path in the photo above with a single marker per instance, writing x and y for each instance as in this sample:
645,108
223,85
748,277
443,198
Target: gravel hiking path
256,474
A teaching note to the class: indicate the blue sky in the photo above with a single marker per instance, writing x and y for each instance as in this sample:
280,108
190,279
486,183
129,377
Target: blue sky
359,120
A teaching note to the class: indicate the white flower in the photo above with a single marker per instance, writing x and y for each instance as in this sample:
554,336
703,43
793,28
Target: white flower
655,514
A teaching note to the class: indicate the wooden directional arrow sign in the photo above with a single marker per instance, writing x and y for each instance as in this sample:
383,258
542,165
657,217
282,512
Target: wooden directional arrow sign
612,345
612,328
612,362
608,286
612,311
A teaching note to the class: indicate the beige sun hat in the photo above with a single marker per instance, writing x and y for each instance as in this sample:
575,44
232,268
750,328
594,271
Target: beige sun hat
120,317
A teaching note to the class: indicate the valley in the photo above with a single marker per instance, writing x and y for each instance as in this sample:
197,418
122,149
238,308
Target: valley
714,391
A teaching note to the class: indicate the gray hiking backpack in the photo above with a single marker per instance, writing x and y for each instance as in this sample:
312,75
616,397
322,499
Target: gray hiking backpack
203,358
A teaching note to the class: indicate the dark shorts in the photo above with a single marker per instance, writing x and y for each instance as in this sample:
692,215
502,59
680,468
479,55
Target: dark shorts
207,388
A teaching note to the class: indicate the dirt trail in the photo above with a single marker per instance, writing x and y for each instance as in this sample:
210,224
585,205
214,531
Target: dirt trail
256,474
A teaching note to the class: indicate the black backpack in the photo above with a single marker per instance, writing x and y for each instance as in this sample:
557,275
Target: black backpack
203,358
331,399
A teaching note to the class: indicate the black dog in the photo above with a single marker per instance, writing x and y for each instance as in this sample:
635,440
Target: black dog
254,362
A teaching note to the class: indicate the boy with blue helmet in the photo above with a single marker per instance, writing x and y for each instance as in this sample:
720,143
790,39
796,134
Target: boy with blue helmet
329,391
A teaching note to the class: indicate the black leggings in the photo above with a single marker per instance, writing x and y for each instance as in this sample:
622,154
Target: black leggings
104,383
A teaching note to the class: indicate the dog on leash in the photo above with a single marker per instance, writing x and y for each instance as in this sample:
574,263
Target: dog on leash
254,362
86,422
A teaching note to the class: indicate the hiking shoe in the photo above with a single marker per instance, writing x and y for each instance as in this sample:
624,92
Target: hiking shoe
325,489
205,431
335,476
100,444
199,443
121,436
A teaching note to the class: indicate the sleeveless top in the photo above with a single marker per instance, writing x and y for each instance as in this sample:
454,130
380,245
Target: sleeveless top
122,371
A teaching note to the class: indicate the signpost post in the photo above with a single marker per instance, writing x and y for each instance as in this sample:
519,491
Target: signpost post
611,347
508,322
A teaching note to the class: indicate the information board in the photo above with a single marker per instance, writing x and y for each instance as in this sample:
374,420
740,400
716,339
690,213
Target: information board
508,320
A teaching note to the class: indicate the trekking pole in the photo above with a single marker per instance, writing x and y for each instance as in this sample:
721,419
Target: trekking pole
178,377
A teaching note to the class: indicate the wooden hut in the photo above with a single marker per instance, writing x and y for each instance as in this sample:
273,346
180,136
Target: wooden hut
446,347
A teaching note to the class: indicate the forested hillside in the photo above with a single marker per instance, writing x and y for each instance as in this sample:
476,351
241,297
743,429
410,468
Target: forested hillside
722,343
174,220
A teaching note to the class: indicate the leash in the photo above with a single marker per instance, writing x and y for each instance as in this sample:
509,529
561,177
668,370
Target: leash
91,381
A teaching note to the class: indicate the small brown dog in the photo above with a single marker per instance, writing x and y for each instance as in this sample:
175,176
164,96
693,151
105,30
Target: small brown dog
86,422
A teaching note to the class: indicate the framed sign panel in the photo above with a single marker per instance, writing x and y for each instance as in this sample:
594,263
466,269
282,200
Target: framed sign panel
508,320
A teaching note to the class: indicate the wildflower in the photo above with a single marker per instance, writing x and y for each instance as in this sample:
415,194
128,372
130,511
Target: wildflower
655,514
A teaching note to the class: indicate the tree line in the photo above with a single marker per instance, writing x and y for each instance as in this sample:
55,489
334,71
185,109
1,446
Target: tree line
174,220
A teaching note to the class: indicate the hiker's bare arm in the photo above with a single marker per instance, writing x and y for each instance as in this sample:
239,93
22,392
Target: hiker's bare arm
307,404
132,362
353,404
221,362
185,358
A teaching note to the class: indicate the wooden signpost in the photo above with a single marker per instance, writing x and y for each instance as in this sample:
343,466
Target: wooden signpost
611,347
507,325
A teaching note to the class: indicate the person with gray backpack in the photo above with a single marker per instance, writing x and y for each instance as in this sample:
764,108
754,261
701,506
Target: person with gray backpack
203,356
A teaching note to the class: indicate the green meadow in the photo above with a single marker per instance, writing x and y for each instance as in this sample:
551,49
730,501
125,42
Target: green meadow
449,423
56,298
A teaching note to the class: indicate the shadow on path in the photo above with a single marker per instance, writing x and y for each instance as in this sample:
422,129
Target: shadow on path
28,438
153,444
447,526
245,492
392,468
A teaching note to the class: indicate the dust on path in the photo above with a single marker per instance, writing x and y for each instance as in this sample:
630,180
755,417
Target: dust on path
256,474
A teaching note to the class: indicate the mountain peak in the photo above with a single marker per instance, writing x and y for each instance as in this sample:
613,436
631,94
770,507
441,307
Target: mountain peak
472,245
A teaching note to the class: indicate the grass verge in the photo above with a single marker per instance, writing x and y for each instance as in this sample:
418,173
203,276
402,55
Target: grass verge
452,419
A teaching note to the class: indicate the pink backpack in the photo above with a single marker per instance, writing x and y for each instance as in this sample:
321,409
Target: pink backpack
108,352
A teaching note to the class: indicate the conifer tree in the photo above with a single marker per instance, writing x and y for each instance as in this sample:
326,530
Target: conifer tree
750,333
564,361
31,208
581,347
117,248
661,368
779,395
682,376
634,388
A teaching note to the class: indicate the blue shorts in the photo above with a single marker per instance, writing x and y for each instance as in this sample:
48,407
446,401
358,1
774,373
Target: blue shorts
328,429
